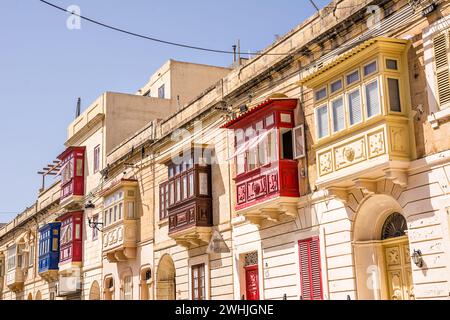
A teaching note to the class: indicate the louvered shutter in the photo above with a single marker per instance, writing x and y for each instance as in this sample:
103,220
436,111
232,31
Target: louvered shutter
354,105
322,121
372,99
338,115
310,273
441,49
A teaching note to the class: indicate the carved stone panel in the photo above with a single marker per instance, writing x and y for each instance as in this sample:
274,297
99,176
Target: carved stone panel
377,144
325,163
350,153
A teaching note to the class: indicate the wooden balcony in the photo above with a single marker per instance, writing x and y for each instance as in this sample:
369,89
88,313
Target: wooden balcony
190,223
269,193
15,279
120,240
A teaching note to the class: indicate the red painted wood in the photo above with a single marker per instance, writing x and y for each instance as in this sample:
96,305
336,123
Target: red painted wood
75,246
74,186
252,282
310,270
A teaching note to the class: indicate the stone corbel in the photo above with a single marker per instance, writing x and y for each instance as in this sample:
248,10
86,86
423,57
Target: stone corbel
255,218
367,186
288,209
339,192
397,176
270,214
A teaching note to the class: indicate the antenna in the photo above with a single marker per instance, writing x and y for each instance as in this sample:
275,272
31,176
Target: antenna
234,52
78,111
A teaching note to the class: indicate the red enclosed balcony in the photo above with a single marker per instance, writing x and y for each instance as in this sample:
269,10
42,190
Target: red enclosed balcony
72,176
267,144
71,236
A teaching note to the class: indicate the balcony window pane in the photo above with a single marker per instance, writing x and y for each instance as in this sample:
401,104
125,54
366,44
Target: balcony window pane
11,257
370,68
166,197
338,115
171,193
353,77
394,95
372,99
321,94
191,185
336,86
240,163
77,231
79,167
391,64
203,183
120,210
131,213
185,187
354,107
115,213
178,190
322,121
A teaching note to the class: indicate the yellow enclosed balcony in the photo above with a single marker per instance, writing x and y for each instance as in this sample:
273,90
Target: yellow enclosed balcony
15,279
120,223
363,118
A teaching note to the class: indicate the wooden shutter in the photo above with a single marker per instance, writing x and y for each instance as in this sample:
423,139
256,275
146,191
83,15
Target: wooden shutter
310,271
441,49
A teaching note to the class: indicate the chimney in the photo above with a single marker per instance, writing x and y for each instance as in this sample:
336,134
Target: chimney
78,111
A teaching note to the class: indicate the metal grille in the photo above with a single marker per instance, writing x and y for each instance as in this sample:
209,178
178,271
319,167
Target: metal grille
251,258
394,226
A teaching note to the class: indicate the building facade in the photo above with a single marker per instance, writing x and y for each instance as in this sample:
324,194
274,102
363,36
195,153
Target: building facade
316,170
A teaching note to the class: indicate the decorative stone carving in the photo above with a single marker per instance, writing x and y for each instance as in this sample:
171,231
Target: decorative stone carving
398,139
377,144
325,163
392,256
350,153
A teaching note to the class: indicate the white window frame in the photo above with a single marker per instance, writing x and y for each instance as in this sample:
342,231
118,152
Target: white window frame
380,102
325,105
428,34
294,140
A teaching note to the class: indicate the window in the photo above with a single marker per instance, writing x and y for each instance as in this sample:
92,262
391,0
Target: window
96,158
286,147
95,230
31,255
336,86
66,232
198,282
131,213
441,63
161,92
11,257
203,183
338,114
370,68
391,64
352,77
310,271
55,245
299,140
321,94
163,201
354,107
127,288
2,267
79,167
394,94
372,99
77,231
322,121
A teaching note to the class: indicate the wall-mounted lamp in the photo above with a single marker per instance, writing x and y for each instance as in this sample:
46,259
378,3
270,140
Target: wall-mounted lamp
417,258
91,223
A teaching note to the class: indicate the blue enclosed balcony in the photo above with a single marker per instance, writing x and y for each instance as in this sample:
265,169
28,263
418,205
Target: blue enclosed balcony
49,251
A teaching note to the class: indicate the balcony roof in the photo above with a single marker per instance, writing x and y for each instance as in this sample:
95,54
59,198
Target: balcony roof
256,109
363,47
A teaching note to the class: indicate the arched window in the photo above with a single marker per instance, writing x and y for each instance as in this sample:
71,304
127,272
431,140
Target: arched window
394,226
165,279
128,287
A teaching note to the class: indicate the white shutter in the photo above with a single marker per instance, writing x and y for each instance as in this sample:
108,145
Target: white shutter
372,99
338,114
354,107
441,49
322,121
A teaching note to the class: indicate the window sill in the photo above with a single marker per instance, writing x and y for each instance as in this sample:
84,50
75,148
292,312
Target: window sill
439,117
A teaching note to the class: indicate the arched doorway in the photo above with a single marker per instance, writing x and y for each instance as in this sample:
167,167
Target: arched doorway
165,279
381,250
109,288
30,296
94,292
38,296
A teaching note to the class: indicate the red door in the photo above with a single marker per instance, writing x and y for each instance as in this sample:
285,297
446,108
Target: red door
251,282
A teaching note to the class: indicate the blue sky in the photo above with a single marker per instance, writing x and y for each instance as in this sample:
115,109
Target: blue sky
44,66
